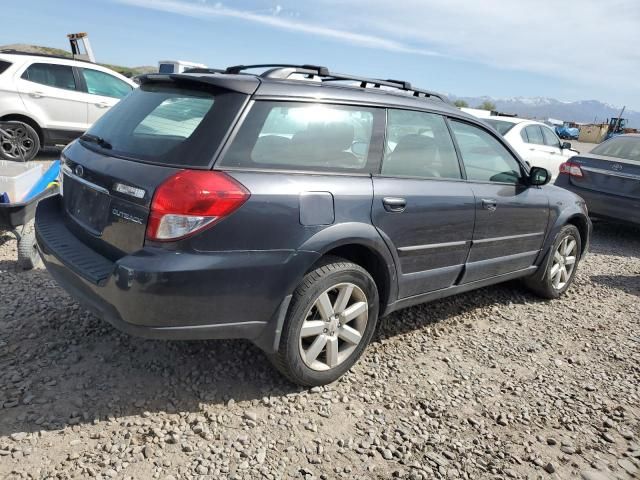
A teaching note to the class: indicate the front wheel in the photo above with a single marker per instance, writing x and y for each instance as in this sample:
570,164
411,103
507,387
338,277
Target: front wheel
561,265
18,141
331,319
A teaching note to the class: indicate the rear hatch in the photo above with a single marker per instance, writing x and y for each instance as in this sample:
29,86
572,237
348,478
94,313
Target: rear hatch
171,123
616,175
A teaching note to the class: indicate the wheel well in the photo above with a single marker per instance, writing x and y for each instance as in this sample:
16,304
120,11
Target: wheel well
28,121
581,224
372,262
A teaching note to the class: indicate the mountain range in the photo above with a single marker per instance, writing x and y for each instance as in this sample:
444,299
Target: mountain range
542,108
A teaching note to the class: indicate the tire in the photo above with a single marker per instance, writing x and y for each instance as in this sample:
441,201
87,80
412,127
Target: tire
552,284
18,141
28,256
334,279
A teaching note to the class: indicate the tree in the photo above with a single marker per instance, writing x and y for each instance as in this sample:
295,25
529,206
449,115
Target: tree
461,104
487,105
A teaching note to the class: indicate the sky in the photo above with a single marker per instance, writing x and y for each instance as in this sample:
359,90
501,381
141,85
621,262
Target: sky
564,49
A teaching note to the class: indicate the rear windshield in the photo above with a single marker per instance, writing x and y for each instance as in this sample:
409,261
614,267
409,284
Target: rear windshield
620,147
167,124
4,65
500,125
303,136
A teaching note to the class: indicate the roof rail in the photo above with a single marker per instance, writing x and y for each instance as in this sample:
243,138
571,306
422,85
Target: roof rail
275,69
11,51
284,71
204,70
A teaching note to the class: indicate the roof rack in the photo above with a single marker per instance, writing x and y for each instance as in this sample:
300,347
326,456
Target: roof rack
10,51
204,70
284,71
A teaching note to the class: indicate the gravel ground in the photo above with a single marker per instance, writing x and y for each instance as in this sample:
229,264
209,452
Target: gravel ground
490,384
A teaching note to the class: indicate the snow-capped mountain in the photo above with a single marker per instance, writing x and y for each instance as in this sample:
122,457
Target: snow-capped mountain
544,107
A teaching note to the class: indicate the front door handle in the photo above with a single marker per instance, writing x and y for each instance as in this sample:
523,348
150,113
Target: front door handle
394,204
489,204
102,105
36,94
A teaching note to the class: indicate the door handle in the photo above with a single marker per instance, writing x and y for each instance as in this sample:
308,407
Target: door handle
489,204
36,94
102,105
394,204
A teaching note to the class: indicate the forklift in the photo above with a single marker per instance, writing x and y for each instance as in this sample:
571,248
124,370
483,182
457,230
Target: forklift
616,125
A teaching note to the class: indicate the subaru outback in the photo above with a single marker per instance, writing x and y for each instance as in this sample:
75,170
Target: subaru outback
293,207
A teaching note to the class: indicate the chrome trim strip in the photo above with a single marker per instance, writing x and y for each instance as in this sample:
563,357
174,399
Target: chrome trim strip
509,237
611,173
67,171
431,246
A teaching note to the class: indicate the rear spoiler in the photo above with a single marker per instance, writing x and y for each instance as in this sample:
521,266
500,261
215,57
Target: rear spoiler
237,83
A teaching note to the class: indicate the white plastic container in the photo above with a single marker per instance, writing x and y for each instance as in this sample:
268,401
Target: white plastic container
16,179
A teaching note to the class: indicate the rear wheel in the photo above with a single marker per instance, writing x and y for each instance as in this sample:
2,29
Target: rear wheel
561,265
18,141
331,319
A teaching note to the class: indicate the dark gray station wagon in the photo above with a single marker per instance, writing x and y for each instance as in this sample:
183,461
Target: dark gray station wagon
293,208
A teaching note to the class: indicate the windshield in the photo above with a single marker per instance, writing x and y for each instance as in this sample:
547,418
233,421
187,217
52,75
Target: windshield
620,147
166,124
500,125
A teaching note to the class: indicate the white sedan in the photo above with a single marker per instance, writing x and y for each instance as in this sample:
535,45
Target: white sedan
534,141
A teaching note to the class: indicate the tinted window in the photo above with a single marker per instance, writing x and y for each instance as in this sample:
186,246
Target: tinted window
620,147
485,158
58,76
166,68
303,136
500,125
167,124
100,83
550,138
419,145
534,135
4,65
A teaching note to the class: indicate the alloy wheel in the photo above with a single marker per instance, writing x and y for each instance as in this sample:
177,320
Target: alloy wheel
15,142
333,326
564,262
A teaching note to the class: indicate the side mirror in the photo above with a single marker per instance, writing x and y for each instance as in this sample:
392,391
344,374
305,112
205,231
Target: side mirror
566,146
539,176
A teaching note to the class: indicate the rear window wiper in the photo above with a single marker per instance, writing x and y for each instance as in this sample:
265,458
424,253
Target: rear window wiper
97,140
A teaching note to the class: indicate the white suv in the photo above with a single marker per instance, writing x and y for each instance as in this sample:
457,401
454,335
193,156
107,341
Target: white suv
536,143
53,99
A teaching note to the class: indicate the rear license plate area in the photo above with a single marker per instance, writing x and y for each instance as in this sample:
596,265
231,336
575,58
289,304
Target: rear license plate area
87,206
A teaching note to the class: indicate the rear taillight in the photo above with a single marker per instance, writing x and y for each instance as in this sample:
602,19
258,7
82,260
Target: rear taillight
191,200
572,169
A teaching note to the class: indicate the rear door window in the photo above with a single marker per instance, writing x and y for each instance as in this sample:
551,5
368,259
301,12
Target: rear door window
168,124
57,76
303,136
418,144
100,83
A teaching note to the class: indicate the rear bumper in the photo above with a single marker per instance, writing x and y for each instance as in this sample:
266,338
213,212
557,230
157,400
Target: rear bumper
156,293
605,205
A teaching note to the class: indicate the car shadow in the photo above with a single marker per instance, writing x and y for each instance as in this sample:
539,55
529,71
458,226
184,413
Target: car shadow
627,283
61,366
620,239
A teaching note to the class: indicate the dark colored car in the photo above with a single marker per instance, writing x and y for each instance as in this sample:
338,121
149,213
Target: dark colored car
608,178
293,208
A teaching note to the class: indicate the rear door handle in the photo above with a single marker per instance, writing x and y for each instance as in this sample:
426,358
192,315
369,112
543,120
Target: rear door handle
394,204
102,105
489,204
36,94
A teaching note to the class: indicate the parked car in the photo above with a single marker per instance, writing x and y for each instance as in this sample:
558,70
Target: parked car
568,133
294,213
534,141
52,100
608,178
